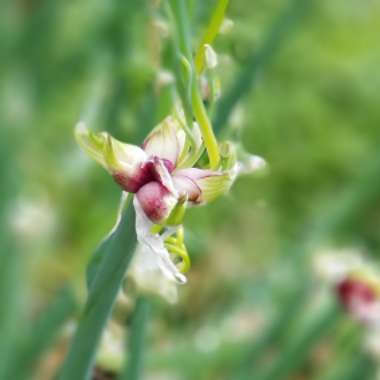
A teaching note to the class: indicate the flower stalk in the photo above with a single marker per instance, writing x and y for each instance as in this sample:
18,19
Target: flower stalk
199,111
210,34
209,138
162,177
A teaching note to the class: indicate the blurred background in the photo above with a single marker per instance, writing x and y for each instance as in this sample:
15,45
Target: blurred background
300,80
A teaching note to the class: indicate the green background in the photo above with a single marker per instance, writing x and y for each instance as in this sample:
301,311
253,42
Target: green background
253,307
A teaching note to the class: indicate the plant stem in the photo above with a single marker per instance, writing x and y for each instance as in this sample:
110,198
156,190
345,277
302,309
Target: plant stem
182,27
136,339
118,252
212,30
183,34
208,135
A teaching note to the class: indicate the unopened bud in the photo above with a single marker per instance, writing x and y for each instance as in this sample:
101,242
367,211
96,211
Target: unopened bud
227,26
211,58
228,155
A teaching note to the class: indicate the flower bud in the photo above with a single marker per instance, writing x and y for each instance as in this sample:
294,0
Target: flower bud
228,155
211,58
227,26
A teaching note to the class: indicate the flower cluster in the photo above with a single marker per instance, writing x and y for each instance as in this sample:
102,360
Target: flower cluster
165,178
166,175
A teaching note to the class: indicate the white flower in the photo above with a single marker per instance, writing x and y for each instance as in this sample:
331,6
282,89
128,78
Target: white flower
154,172
146,272
154,243
333,265
162,176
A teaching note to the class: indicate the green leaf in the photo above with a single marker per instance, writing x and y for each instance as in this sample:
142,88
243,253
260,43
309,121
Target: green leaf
102,294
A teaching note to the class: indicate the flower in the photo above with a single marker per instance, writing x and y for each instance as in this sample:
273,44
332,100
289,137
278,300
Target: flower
164,180
155,172
361,298
145,271
355,281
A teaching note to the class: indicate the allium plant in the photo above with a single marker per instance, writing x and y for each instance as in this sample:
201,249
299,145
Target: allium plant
180,164
164,178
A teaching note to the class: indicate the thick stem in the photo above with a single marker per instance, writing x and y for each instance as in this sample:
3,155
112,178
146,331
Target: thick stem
182,27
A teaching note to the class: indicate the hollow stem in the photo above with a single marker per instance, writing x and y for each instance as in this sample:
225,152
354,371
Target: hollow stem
208,135
212,30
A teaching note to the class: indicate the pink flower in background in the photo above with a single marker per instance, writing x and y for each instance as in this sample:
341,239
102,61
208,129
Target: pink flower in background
360,299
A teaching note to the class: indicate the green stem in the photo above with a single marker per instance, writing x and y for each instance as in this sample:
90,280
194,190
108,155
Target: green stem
182,27
208,135
136,339
212,30
182,253
117,254
183,74
183,34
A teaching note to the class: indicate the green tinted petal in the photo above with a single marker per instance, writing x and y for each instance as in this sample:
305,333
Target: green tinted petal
214,186
167,140
94,144
109,152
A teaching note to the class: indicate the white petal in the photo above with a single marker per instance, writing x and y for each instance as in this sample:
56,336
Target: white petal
211,59
125,157
166,141
333,265
146,272
155,243
112,154
197,134
186,186
249,164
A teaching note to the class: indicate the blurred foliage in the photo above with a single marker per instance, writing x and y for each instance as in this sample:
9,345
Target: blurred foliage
253,308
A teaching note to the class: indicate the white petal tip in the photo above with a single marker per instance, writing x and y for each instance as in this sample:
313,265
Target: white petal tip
180,278
81,127
250,165
210,57
256,163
